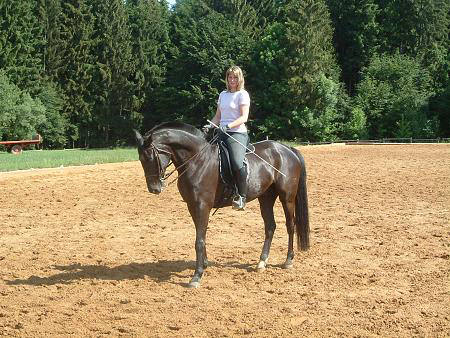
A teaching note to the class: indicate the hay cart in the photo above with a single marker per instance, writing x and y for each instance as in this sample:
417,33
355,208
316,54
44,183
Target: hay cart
16,146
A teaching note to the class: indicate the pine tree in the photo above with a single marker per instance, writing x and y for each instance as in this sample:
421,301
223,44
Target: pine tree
111,88
50,15
250,16
309,46
206,44
76,70
148,20
307,75
356,31
20,41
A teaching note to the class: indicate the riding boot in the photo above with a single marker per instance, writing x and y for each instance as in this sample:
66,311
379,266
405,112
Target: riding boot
241,182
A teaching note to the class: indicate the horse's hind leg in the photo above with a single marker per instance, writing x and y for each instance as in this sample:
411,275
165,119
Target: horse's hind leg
266,203
289,208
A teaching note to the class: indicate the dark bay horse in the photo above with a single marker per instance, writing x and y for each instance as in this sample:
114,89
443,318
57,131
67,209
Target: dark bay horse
201,187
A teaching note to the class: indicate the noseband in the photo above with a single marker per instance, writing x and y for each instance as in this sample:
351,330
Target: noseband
161,171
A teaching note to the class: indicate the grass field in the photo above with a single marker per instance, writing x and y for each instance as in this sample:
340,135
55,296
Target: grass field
33,159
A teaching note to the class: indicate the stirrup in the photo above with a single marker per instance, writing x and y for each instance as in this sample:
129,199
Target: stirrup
238,203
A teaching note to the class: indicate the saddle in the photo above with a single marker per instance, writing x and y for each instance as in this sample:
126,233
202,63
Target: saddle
226,172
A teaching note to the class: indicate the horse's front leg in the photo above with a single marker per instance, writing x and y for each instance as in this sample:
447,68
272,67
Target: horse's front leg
200,215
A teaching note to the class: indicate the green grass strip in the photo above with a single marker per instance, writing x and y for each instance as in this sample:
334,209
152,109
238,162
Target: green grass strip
34,159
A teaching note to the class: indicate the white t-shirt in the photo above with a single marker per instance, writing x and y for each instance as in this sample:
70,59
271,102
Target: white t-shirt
229,107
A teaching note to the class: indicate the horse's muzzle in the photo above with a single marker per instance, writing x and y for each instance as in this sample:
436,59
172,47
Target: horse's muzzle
155,186
155,189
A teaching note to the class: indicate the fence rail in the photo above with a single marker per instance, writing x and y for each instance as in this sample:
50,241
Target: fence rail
407,140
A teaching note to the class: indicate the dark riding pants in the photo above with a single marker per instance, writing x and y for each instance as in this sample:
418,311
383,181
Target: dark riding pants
237,151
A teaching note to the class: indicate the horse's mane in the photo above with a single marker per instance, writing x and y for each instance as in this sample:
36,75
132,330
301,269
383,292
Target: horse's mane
175,125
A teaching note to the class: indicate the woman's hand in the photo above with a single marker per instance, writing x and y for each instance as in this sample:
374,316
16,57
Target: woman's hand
207,127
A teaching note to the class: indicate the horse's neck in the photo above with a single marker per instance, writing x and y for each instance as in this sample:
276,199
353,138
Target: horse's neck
184,145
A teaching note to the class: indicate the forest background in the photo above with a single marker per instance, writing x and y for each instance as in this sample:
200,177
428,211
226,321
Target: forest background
83,73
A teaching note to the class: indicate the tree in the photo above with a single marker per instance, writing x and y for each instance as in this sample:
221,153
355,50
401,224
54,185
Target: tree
111,88
440,106
355,127
77,64
206,43
149,27
394,94
54,127
250,16
20,114
20,40
308,38
420,29
298,73
50,15
356,31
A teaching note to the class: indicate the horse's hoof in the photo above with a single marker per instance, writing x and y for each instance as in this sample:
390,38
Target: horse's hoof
261,266
193,285
288,265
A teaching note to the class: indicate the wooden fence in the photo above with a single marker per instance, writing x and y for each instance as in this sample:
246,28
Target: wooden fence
385,141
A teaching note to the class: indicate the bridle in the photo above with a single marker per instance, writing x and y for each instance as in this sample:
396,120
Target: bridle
161,171
162,176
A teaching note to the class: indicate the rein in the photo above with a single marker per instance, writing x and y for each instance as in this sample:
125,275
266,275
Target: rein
161,172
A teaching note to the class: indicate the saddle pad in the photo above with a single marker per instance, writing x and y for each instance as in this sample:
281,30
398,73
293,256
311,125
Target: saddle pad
226,173
250,149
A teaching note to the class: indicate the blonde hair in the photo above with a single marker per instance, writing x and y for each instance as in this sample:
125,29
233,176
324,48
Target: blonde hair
238,73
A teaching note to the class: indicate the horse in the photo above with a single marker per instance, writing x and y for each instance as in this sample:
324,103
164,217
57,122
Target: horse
200,185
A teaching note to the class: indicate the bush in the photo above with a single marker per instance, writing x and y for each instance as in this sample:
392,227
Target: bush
356,126
394,94
20,114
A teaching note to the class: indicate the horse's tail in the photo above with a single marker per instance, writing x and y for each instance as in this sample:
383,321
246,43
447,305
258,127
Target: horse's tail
301,207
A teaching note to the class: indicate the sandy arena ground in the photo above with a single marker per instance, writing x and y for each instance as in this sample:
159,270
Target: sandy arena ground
88,252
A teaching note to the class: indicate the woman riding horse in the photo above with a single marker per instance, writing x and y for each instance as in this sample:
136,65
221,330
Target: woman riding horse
201,188
232,113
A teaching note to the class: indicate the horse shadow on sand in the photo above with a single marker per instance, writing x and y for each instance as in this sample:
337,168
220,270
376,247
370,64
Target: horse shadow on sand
161,271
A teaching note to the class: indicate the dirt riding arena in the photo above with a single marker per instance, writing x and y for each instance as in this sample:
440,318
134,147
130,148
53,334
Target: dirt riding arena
88,252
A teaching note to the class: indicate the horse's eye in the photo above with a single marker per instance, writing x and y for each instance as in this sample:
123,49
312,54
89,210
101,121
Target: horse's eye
147,154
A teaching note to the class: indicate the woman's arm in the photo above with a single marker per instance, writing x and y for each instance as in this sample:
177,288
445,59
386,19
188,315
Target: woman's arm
244,109
216,118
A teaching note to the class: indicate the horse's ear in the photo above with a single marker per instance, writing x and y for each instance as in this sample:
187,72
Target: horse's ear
139,138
